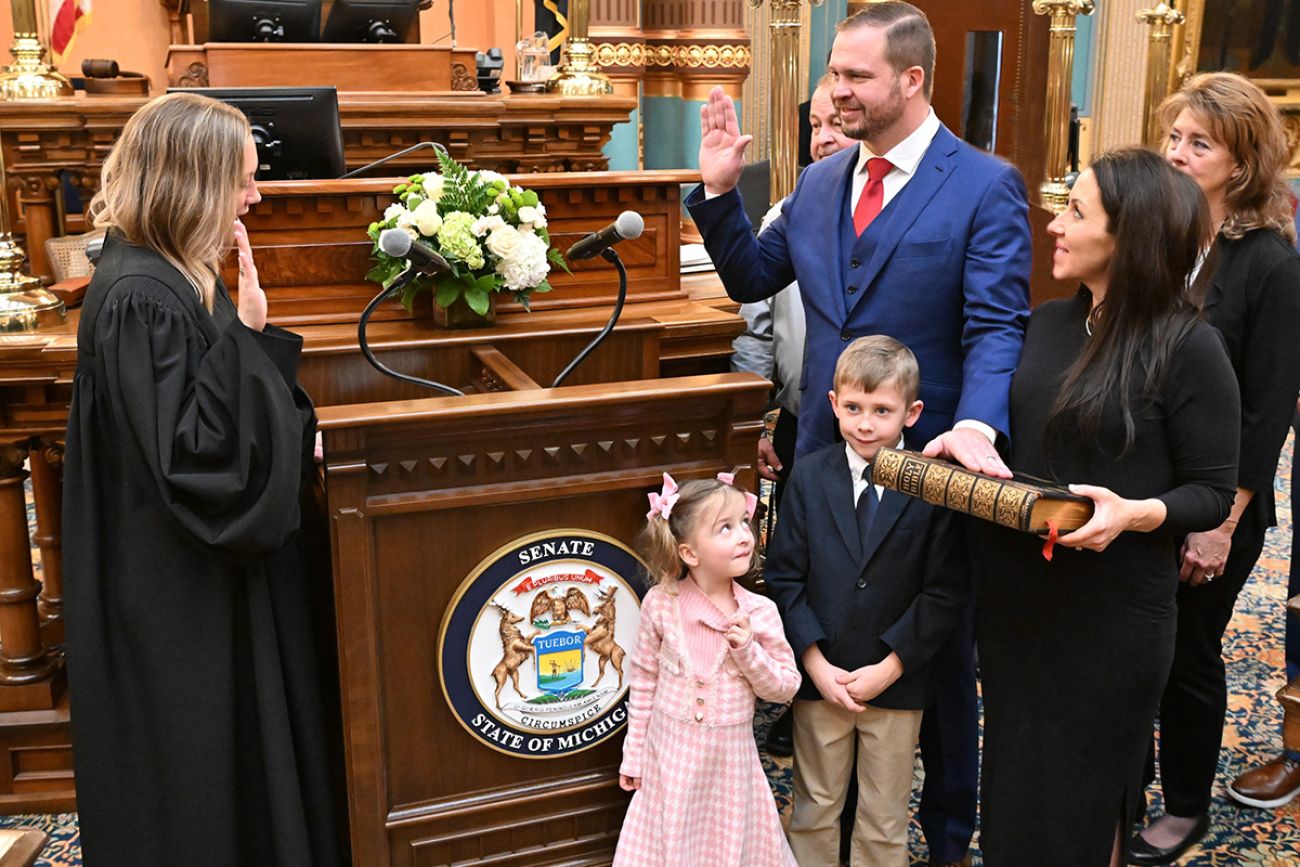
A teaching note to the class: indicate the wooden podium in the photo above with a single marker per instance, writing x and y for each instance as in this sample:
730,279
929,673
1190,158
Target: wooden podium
420,493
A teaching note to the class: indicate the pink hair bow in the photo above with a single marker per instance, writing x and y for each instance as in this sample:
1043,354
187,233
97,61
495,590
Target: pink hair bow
662,503
751,501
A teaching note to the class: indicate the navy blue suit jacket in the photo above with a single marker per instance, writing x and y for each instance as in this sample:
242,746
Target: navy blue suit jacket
904,591
944,269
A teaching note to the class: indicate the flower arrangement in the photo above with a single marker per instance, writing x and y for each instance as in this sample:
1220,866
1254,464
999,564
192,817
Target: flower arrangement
492,233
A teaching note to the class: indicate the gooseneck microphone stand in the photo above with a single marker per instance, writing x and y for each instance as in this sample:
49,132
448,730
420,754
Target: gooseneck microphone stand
609,254
384,294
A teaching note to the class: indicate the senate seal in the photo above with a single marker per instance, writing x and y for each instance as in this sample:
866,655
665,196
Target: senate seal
532,649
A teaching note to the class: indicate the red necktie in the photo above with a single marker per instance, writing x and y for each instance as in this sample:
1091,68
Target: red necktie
873,194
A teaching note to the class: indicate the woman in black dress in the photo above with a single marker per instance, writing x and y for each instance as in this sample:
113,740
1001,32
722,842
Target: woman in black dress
1123,388
1222,131
198,720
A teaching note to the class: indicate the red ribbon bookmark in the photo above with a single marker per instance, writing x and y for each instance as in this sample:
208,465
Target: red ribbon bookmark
1050,542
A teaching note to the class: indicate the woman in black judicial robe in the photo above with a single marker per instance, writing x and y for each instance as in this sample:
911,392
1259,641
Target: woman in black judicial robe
1121,387
197,715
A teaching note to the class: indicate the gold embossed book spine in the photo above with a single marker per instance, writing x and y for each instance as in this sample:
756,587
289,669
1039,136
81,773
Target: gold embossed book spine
1009,502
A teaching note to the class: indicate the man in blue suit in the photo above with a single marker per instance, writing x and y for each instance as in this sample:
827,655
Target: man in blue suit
916,235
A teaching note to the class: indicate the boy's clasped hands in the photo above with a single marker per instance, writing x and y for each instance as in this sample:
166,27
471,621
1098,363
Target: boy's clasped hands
851,690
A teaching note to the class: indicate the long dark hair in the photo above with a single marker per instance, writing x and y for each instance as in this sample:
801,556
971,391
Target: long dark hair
1161,223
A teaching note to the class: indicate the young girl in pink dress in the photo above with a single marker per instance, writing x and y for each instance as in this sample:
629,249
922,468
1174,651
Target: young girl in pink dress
706,647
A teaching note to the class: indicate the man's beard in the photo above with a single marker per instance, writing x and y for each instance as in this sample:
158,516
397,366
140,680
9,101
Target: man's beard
872,120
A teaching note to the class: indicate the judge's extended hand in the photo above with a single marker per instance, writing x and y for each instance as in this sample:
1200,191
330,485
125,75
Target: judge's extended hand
971,449
252,300
722,147
1112,515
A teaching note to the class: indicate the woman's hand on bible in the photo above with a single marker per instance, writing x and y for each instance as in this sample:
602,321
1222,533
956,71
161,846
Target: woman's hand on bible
252,300
1112,515
1204,555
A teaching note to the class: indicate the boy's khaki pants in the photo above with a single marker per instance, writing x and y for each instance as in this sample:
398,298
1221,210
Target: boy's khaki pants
824,736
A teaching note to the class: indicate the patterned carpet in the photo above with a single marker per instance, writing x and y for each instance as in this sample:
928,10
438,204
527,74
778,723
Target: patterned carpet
1239,836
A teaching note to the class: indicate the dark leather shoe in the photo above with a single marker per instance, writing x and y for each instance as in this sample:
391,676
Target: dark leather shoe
780,737
964,862
1270,785
1142,852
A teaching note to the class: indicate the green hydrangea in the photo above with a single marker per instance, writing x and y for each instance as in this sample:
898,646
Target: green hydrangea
457,240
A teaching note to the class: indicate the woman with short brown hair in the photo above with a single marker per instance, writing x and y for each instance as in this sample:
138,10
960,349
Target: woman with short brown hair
1222,131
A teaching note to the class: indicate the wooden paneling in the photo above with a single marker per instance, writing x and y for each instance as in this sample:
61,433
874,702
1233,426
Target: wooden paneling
49,144
419,493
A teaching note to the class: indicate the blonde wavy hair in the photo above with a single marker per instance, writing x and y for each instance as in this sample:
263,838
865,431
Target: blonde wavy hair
700,499
1239,116
171,184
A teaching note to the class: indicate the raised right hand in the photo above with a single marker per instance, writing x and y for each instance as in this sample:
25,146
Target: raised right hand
722,147
252,300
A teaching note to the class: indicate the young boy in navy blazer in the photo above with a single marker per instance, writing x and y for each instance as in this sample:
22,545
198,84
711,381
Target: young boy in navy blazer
870,583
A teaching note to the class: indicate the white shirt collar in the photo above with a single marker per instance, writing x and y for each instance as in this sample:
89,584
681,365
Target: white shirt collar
857,463
905,155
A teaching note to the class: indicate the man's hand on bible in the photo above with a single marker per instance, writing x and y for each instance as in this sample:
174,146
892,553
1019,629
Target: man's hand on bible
971,449
722,147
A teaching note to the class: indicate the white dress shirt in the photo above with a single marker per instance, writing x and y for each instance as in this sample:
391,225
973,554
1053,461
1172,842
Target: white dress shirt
857,463
904,157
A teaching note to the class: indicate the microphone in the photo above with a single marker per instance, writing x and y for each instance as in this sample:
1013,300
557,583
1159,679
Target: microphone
398,244
379,162
629,225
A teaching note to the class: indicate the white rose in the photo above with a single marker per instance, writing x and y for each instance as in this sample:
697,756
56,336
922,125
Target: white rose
393,211
494,209
527,265
529,214
432,186
488,177
487,225
503,241
427,219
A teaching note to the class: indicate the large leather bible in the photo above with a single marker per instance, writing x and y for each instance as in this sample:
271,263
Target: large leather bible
1024,503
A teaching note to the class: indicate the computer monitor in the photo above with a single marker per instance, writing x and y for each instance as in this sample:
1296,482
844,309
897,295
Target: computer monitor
370,20
264,20
296,129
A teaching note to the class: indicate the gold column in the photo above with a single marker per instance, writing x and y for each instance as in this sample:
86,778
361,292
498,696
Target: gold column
785,26
1162,20
28,77
579,76
1053,193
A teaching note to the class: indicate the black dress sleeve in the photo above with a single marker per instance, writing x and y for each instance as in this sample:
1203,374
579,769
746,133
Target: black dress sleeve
1270,374
1202,422
217,425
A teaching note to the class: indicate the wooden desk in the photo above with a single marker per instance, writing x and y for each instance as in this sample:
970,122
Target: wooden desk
309,238
670,328
48,144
